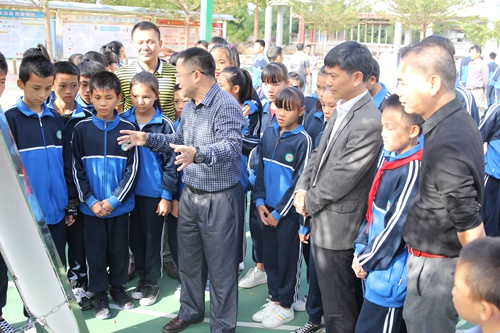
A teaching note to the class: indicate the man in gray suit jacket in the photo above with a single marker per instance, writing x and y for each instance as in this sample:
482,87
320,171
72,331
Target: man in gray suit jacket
333,188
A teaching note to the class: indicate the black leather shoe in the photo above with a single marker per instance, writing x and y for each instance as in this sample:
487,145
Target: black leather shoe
178,325
171,269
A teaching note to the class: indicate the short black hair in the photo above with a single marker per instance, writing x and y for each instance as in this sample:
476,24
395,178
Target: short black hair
375,71
351,57
111,57
95,56
493,55
442,41
274,72
300,46
38,50
66,67
290,99
173,58
308,45
37,65
75,58
261,42
482,269
114,46
4,68
477,48
198,59
146,25
217,40
297,77
177,87
392,103
202,42
89,68
433,58
273,52
105,80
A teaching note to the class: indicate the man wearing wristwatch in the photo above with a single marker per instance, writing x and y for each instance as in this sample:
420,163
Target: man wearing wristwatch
208,144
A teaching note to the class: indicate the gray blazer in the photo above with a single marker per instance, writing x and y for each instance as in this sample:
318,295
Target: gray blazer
337,190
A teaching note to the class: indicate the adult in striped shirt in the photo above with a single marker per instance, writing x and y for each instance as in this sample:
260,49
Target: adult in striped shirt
147,44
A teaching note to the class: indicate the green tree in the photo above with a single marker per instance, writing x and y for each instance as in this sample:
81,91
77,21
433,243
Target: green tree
43,7
495,32
329,16
418,14
476,31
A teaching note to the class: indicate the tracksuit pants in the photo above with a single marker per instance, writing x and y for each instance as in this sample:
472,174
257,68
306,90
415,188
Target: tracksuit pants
77,263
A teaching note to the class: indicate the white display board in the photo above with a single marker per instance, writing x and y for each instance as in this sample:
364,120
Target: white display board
19,31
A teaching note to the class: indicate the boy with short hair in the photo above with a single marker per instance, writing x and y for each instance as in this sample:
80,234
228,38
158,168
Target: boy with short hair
105,175
87,69
38,133
380,253
476,295
66,86
4,279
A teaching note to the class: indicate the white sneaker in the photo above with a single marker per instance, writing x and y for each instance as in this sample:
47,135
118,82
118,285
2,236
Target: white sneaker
300,305
253,278
265,311
279,318
177,293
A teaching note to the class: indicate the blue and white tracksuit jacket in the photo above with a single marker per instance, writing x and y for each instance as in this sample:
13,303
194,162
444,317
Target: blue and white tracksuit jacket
381,250
158,173
314,124
40,144
381,95
490,131
102,169
282,160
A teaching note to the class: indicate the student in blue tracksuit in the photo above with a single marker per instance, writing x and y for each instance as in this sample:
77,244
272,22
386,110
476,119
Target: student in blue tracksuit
490,90
496,79
380,252
283,152
314,120
87,69
38,133
105,175
156,185
464,69
274,79
66,86
377,89
490,131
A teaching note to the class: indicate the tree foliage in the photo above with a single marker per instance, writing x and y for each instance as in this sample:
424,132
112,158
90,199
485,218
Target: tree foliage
418,14
476,31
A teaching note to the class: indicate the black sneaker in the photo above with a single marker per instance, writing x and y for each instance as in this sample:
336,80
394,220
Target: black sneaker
139,290
81,297
101,305
308,328
121,298
150,293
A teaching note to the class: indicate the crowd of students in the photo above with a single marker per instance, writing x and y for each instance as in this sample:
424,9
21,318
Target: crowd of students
100,198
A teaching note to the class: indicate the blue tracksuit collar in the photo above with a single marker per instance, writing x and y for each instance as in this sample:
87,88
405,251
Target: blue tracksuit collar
391,156
380,96
78,112
105,124
319,114
314,95
285,134
130,116
30,113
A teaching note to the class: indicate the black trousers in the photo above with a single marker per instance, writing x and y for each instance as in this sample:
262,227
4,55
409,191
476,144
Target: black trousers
106,243
337,285
314,306
171,223
4,280
58,233
374,318
256,230
146,237
77,263
282,259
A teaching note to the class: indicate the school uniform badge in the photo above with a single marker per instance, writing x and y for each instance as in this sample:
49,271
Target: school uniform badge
289,157
59,134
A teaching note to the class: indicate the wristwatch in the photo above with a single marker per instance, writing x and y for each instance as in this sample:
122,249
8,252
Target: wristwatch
198,157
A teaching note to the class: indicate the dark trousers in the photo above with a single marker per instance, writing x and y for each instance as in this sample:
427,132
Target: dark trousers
374,318
490,212
490,95
282,259
145,238
210,228
4,281
171,223
337,285
106,243
58,233
256,230
77,262
314,307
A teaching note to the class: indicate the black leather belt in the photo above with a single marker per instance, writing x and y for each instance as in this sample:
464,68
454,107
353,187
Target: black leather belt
197,191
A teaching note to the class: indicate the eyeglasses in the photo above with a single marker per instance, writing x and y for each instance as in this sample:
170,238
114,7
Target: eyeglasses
177,75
